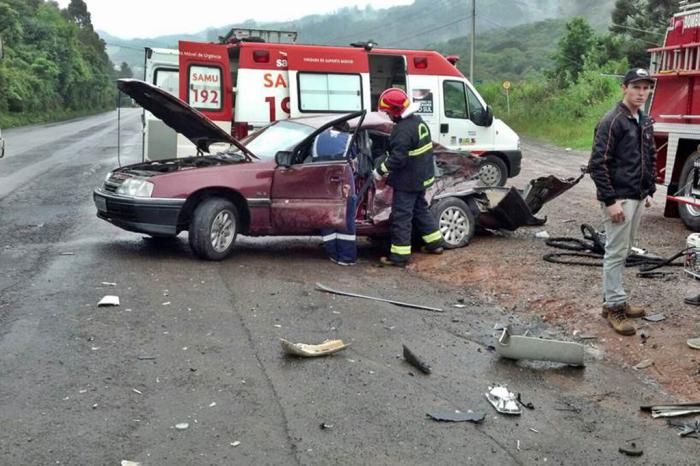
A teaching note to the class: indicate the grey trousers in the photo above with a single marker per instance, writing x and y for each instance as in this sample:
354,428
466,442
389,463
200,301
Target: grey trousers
620,238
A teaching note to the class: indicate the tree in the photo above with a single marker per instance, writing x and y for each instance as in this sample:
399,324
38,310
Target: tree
125,71
77,12
640,25
578,43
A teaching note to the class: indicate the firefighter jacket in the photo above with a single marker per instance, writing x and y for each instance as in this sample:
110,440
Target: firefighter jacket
622,163
410,164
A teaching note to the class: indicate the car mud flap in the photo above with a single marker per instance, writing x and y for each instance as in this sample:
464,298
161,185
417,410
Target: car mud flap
521,347
544,189
510,213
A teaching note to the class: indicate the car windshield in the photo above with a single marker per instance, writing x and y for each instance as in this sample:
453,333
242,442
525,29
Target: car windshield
283,135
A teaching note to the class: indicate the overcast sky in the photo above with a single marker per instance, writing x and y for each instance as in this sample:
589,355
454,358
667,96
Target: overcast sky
150,18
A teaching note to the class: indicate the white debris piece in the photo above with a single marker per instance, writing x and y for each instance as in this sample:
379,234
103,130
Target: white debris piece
235,444
109,284
542,234
213,403
109,300
130,463
182,426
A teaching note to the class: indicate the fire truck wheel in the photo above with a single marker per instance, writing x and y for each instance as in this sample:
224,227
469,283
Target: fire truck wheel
493,171
689,214
455,221
213,229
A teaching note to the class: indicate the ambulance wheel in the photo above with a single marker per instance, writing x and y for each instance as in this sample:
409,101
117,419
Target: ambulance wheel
493,171
213,229
455,221
689,214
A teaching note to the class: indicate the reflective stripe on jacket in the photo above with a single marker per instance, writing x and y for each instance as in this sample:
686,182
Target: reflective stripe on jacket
410,164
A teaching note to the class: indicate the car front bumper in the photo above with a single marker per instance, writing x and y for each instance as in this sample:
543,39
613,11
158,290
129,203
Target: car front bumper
153,216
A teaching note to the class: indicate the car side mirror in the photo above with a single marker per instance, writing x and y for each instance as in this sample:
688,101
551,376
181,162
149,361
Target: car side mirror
485,118
283,158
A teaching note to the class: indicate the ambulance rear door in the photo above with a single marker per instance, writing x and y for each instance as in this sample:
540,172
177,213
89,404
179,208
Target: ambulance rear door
206,84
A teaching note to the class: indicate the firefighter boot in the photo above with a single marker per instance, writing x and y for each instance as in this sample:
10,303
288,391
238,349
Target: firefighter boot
384,260
617,319
633,312
432,250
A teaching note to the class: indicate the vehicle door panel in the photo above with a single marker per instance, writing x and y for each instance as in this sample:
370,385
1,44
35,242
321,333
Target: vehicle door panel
457,130
309,196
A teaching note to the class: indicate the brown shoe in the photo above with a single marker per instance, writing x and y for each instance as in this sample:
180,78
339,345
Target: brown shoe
618,320
634,312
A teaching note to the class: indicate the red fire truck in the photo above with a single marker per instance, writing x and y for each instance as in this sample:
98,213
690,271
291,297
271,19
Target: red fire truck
675,107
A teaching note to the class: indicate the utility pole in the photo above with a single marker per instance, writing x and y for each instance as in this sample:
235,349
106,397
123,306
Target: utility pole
471,58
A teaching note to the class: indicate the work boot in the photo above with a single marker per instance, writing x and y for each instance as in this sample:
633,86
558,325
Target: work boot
618,320
634,312
428,250
387,261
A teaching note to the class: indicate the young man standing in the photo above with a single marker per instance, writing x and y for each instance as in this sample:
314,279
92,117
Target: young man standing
411,170
622,168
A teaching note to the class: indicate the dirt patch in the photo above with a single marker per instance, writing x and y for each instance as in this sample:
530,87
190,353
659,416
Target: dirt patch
508,269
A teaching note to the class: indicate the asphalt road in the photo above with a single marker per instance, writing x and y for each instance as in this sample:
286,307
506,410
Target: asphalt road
197,342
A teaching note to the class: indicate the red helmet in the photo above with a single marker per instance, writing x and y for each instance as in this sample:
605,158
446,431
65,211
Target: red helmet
393,101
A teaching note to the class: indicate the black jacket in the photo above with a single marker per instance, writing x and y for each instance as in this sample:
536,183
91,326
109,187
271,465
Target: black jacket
623,158
410,164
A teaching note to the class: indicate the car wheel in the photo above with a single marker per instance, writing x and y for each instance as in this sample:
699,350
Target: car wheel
689,214
456,221
493,171
213,229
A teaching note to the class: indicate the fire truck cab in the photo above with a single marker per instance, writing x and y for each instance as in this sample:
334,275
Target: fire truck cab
675,107
247,81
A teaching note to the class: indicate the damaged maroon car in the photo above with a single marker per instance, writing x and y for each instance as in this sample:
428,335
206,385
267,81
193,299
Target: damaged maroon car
293,177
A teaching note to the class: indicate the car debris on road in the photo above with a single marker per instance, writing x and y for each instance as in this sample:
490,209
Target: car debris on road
415,361
522,347
672,409
455,415
311,351
503,400
325,289
109,300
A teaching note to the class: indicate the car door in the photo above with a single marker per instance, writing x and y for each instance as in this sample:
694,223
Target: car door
460,108
309,195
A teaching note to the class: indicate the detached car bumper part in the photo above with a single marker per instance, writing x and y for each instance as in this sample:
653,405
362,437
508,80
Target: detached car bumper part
153,216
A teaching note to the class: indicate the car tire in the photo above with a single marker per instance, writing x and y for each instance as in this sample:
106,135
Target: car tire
493,171
689,214
455,220
213,229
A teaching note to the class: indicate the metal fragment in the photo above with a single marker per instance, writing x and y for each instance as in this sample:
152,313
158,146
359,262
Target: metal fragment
325,289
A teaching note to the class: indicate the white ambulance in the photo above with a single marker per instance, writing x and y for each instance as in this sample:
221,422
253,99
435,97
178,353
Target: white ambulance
248,82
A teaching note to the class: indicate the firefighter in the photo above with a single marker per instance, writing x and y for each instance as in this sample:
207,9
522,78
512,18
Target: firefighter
410,168
622,168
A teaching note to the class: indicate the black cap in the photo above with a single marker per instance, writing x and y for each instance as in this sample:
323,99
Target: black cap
637,74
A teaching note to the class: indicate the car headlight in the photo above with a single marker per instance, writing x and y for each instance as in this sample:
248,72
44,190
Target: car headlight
135,187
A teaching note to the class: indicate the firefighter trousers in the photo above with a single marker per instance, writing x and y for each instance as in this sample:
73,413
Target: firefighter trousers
410,209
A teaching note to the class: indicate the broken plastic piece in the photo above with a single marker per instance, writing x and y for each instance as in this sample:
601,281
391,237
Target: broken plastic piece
542,234
109,300
130,463
325,289
182,426
325,426
694,343
528,405
644,364
522,347
415,361
503,400
455,415
655,318
672,410
311,351
631,449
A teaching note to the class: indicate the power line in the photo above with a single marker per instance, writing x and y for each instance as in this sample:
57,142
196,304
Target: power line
437,28
637,29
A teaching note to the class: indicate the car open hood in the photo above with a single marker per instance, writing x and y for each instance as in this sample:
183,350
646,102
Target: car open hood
178,115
